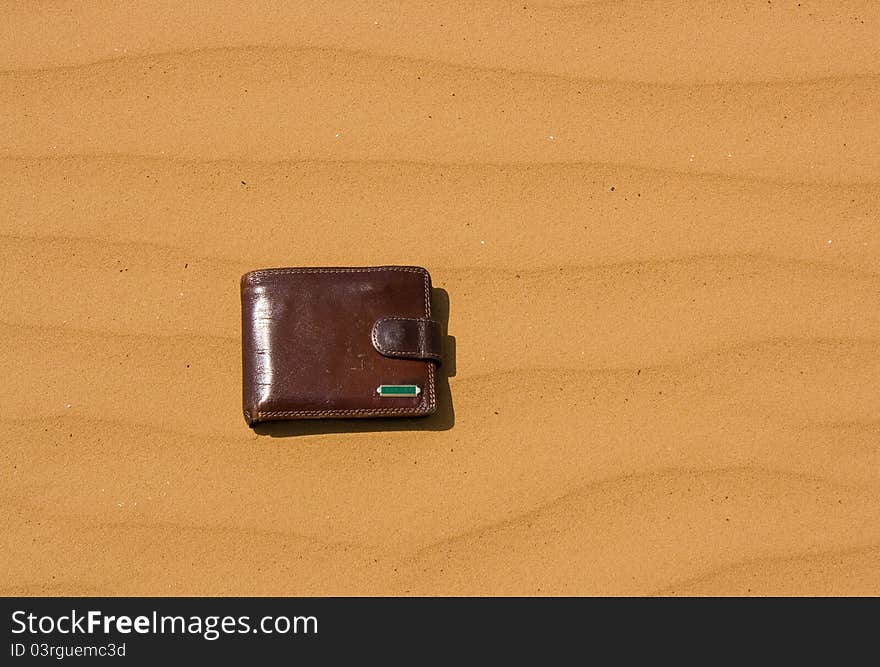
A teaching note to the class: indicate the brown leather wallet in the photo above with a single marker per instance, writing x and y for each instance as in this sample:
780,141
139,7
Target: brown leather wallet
338,342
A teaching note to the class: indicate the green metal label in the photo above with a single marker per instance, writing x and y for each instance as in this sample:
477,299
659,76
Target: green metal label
398,390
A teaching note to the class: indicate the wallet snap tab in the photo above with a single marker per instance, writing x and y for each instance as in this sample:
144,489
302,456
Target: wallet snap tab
407,338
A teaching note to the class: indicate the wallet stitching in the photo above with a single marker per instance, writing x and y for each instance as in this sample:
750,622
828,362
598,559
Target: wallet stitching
367,269
432,401
421,352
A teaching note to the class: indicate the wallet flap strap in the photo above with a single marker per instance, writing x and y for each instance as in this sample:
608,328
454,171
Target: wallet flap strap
408,338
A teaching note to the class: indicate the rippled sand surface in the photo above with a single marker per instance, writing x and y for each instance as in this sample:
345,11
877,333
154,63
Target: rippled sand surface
657,224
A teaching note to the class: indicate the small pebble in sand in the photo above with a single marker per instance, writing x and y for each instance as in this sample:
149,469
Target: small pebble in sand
68,406
829,241
551,137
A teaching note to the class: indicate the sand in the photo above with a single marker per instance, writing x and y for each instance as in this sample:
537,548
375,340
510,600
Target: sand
656,224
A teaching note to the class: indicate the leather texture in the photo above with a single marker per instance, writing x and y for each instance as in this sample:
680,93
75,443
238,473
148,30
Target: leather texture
318,342
408,338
